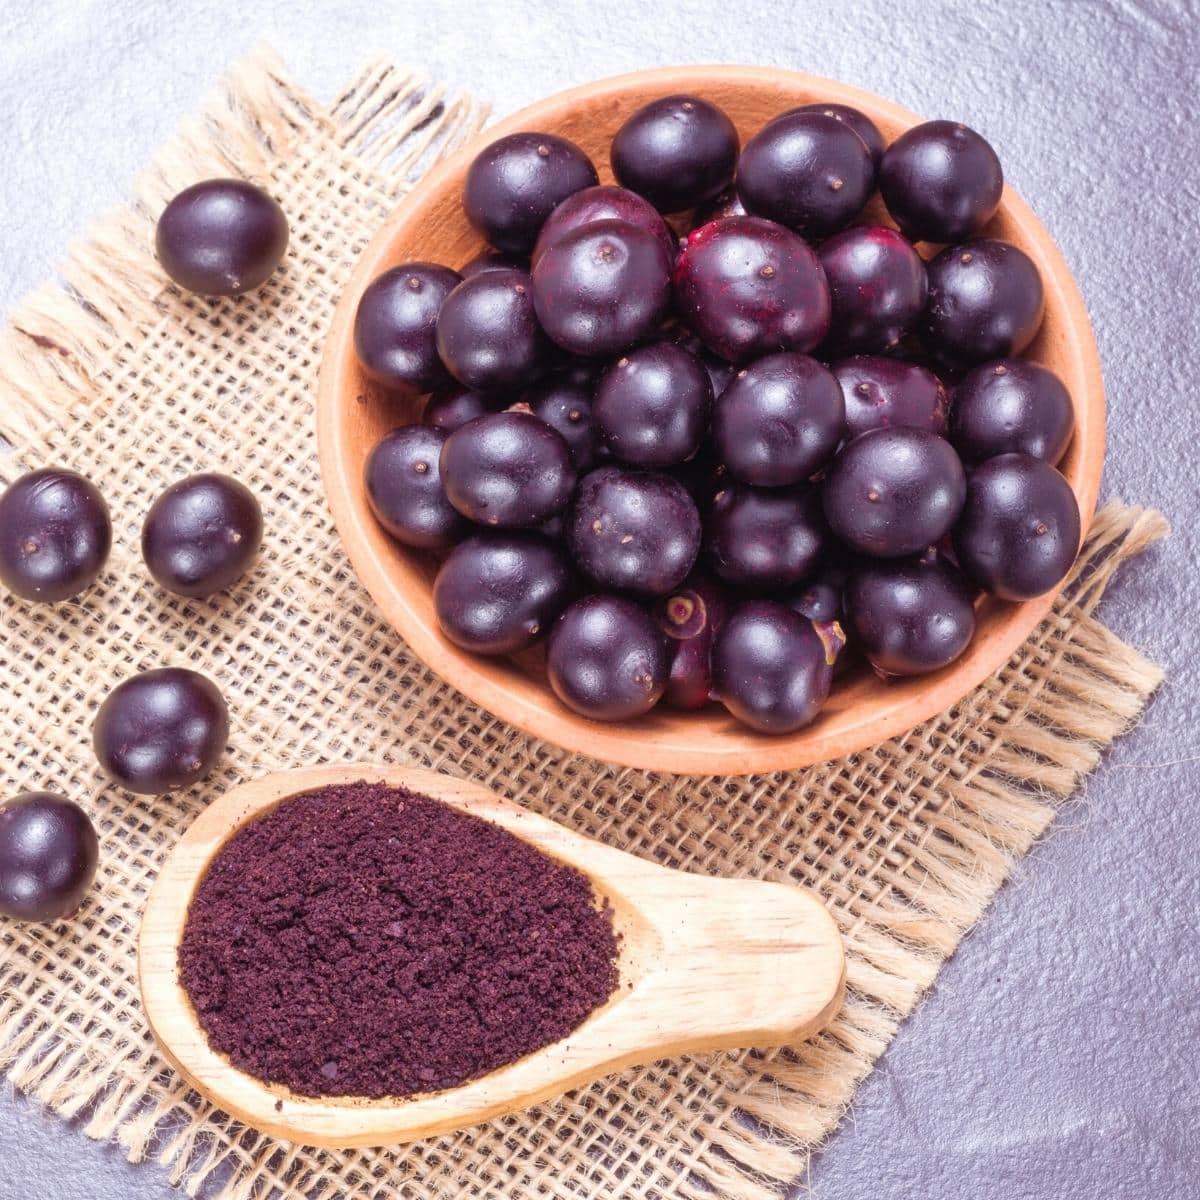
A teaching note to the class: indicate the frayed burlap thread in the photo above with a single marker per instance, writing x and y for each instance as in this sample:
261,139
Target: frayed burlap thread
137,385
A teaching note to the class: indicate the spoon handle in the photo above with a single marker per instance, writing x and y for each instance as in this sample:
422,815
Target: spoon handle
734,962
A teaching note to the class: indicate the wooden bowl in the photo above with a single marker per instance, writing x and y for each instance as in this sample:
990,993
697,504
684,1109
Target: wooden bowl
352,415
705,964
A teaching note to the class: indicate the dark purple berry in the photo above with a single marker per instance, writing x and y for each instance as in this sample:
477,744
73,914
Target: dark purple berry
652,405
221,237
488,333
507,469
55,535
48,856
748,287
518,181
605,203
602,288
985,301
765,538
499,592
941,182
202,535
720,371
567,406
819,595
727,204
818,600
779,420
607,659
404,489
877,288
702,477
882,393
807,171
1011,407
452,410
161,730
894,492
909,616
1019,530
635,531
678,152
494,260
690,616
859,122
773,668
395,328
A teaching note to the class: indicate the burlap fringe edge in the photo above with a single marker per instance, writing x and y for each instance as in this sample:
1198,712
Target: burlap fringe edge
979,826
59,337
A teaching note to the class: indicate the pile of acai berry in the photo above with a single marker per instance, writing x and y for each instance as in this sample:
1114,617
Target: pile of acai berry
702,466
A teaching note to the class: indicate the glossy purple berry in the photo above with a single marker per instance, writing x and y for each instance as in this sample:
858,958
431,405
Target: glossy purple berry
221,237
607,659
518,181
690,617
819,595
808,171
748,287
1020,527
606,203
772,668
1011,406
404,489
941,182
726,204
55,535
634,531
858,121
884,393
985,301
566,405
202,534
600,289
765,538
452,410
779,420
507,469
678,152
499,592
488,333
48,856
161,730
909,616
720,371
395,328
894,492
491,259
877,287
652,405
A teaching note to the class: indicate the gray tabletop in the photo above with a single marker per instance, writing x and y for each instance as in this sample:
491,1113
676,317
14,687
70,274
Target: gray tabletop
1058,1054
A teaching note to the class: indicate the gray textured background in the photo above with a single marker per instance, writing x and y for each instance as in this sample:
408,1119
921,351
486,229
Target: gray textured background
1057,1057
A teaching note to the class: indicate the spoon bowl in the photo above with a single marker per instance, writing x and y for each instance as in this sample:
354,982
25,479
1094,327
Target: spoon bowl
704,963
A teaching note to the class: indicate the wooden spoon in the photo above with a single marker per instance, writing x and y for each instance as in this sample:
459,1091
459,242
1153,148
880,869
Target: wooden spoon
705,964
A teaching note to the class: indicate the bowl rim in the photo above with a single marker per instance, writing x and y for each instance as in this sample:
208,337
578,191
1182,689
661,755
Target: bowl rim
618,744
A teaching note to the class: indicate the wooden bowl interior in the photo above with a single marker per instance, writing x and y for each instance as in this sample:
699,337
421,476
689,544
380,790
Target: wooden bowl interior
353,414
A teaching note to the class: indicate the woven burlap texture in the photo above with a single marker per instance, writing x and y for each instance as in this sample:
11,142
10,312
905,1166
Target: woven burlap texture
113,373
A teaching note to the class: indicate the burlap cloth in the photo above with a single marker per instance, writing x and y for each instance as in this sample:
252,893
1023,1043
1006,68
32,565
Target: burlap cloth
110,372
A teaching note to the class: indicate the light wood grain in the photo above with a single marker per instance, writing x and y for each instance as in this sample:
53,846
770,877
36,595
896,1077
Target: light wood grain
352,415
705,964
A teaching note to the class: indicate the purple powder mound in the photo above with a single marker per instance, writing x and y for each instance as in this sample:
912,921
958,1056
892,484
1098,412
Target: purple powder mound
366,940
